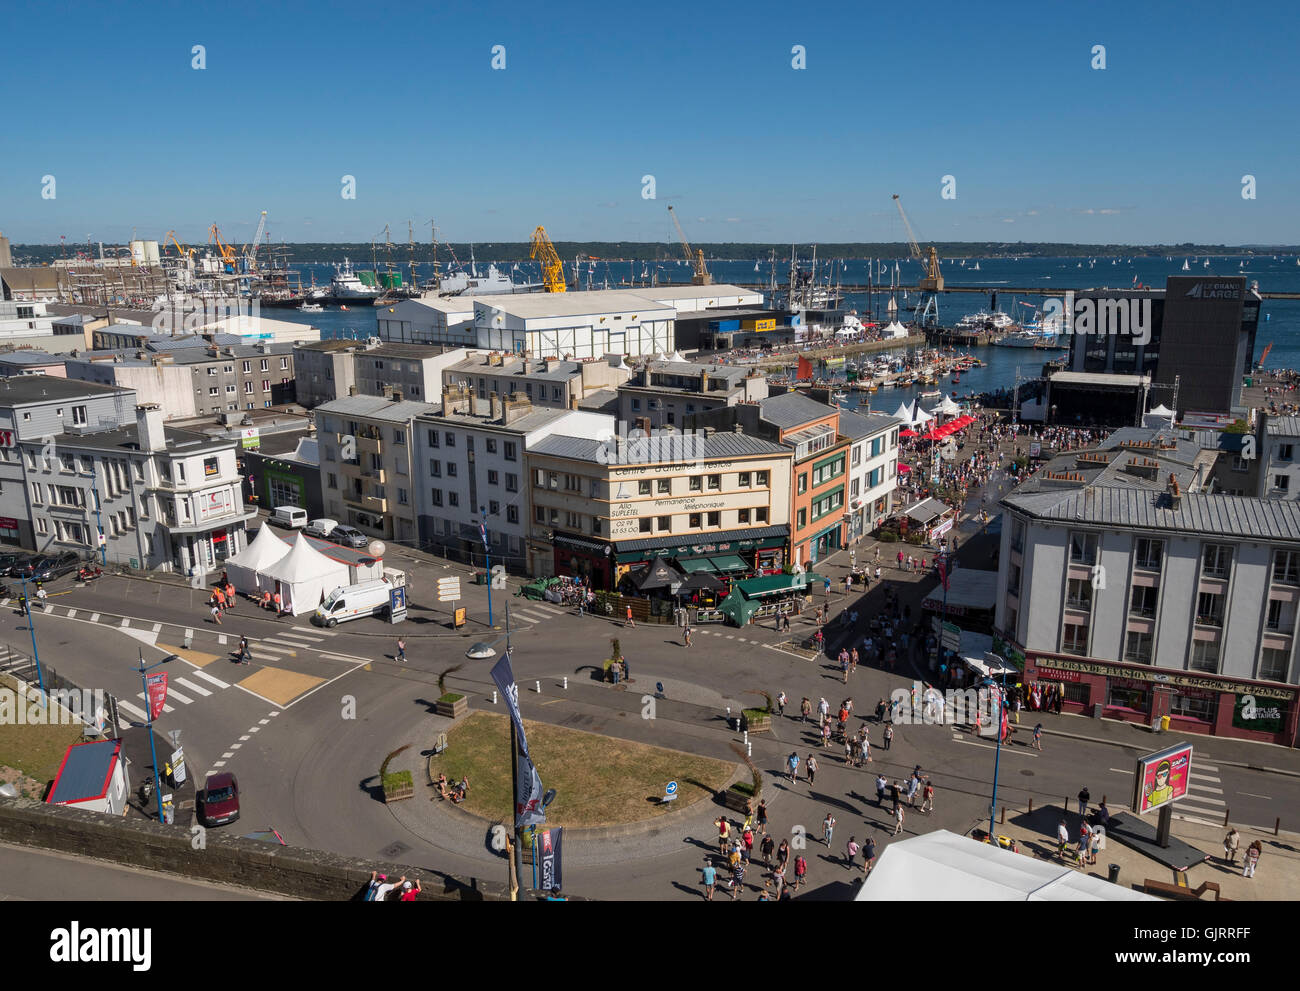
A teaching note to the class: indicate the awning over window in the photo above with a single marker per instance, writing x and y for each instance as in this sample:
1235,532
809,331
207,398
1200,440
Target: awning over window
728,564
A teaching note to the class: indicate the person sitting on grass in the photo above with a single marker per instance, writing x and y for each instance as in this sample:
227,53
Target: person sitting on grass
460,791
442,786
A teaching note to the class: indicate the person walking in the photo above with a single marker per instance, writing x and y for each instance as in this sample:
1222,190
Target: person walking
1231,844
709,878
826,734
762,816
895,795
1038,737
747,844
927,797
1084,798
630,621
868,855
401,650
767,848
800,871
812,769
805,708
686,635
850,852
737,884
245,655
218,596
230,595
1062,838
783,854
780,704
828,829
1252,858
216,614
878,573
792,762
889,735
724,834
881,785
823,710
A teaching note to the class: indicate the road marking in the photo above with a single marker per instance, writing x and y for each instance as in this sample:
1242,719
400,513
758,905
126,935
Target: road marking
235,746
741,640
220,763
1205,767
1196,808
5,601
317,632
157,627
298,640
72,613
992,746
200,673
228,754
1198,821
181,697
125,623
1120,770
1204,798
1193,784
263,722
244,738
341,657
221,639
282,643
132,710
274,712
1267,798
196,689
730,637
254,729
140,696
94,617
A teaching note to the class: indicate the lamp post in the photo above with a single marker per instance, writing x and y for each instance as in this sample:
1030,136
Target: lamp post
36,654
997,754
99,521
487,555
148,707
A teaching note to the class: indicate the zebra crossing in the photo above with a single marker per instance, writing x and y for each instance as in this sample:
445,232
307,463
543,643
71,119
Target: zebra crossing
535,612
179,689
1204,797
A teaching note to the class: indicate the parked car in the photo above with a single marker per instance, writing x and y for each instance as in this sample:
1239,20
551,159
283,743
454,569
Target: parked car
349,536
320,528
11,560
218,802
289,517
50,566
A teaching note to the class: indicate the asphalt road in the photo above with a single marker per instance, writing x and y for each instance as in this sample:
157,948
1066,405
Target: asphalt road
307,764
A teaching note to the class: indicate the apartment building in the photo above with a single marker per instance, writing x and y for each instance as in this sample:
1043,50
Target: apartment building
819,475
715,501
411,371
1277,450
546,382
324,370
367,464
873,468
1122,577
150,496
472,458
664,393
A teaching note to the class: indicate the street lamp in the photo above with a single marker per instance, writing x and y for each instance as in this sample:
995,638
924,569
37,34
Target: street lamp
997,755
487,556
148,707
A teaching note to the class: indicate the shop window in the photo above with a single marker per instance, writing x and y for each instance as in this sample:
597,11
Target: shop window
1194,707
1127,696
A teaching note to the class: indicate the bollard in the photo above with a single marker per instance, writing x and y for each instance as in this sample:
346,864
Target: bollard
746,741
537,687
566,682
728,713
1225,818
749,750
1277,825
494,696
1031,806
1004,814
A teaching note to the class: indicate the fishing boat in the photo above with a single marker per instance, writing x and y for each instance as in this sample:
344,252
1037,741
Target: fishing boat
932,394
839,396
311,308
347,285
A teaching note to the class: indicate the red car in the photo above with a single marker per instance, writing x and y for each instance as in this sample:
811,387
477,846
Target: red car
218,803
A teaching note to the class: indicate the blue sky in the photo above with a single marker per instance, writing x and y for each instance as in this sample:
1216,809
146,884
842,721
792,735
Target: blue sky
703,97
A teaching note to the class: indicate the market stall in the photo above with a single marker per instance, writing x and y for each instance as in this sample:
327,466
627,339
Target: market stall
303,577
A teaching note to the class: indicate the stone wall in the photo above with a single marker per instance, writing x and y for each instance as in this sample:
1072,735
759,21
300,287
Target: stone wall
227,859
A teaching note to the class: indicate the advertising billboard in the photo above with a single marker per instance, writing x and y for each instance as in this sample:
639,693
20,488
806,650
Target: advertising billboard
1162,778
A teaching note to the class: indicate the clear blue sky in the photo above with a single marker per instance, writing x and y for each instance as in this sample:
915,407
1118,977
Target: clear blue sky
701,95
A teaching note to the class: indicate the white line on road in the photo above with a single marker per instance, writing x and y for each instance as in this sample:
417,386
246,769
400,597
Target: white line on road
200,673
244,738
263,649
228,754
132,710
992,746
1199,821
5,601
220,763
1205,767
254,729
1193,784
157,627
47,609
181,697
221,639
731,638
235,746
313,630
72,613
1196,808
126,622
263,722
1120,770
274,712
140,696
282,643
94,617
196,689
1204,798
1267,798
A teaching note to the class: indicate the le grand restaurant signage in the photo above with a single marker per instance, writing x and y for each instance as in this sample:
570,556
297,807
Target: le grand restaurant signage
1050,667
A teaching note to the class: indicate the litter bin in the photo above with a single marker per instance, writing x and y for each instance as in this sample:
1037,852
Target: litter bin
1164,724
1096,709
1113,874
480,578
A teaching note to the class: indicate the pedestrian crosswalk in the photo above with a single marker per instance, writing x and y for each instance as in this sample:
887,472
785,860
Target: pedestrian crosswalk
1203,791
533,613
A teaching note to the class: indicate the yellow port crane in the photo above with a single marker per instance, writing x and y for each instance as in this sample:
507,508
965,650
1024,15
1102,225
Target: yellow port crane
552,268
181,250
701,276
226,251
933,280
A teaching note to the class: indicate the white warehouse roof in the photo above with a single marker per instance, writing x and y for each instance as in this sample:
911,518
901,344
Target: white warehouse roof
540,305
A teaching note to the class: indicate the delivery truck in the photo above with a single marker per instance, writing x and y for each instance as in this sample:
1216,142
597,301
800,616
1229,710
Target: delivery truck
351,601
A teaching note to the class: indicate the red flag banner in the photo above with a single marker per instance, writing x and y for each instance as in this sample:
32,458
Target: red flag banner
156,685
804,371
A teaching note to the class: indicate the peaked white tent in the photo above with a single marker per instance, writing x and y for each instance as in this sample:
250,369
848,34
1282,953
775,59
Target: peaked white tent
303,577
956,868
894,329
904,413
921,416
947,407
264,551
1161,416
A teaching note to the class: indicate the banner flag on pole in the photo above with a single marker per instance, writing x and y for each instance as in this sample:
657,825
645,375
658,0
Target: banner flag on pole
156,685
528,786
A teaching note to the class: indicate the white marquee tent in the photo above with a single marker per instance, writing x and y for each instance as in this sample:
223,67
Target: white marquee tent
303,577
242,569
894,329
947,407
946,866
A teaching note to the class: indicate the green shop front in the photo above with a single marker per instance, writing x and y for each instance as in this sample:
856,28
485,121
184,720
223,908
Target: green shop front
728,556
771,595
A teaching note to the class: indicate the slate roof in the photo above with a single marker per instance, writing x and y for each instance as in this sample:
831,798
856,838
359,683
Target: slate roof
857,425
724,444
792,409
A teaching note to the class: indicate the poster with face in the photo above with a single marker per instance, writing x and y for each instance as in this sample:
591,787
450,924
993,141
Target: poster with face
1162,778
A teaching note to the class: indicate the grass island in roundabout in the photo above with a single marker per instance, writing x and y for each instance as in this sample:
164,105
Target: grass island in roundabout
599,780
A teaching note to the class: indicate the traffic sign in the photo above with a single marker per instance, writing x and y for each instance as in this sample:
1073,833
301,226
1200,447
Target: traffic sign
448,589
951,636
670,791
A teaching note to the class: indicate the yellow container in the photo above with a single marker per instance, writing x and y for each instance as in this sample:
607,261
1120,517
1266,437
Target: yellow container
1164,724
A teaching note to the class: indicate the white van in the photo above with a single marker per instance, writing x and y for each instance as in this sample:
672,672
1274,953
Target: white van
289,517
345,603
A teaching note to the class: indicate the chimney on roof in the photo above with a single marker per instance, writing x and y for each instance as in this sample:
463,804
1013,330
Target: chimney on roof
396,395
149,427
515,407
1175,493
494,406
573,400
352,390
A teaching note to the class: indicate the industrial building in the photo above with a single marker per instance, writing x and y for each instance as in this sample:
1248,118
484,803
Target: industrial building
573,326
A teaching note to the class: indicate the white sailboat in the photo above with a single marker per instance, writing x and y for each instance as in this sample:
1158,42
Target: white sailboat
1207,262
977,267
1185,266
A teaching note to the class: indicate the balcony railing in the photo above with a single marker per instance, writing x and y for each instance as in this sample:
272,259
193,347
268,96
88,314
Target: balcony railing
1209,619
372,503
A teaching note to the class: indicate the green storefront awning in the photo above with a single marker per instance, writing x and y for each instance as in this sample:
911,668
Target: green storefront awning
737,608
756,588
728,563
695,564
